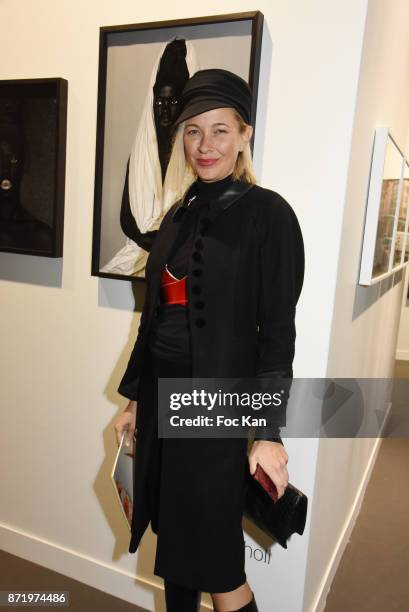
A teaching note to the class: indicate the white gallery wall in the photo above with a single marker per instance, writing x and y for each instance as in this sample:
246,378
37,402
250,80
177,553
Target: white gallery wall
67,336
365,319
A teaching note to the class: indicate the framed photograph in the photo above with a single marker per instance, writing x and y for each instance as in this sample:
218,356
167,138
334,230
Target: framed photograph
33,122
402,240
142,71
386,223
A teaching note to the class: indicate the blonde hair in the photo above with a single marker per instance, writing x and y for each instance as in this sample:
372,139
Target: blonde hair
180,175
243,170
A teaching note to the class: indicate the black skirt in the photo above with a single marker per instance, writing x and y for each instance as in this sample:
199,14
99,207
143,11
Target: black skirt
191,490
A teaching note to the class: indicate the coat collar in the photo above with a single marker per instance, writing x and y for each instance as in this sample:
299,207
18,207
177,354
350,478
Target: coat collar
229,196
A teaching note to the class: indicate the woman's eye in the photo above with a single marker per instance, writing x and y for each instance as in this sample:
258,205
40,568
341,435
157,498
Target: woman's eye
191,132
221,131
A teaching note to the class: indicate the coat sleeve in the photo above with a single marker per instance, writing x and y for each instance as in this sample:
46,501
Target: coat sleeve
128,222
281,279
129,384
128,387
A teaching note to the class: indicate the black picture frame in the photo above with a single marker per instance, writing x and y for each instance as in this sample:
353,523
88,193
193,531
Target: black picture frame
242,31
33,127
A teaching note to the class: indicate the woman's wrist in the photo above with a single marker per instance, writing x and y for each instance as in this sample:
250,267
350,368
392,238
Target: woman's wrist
131,407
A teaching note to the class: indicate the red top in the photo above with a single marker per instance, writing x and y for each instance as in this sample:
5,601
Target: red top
173,290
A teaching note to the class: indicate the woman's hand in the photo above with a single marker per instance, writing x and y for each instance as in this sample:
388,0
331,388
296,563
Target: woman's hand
126,422
273,459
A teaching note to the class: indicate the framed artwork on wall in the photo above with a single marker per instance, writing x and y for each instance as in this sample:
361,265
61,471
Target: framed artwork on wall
385,243
402,238
142,71
33,122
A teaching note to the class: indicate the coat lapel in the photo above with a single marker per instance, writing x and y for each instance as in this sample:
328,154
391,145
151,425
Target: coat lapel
169,234
226,199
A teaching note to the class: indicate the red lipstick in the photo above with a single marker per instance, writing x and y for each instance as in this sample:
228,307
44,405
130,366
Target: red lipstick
207,162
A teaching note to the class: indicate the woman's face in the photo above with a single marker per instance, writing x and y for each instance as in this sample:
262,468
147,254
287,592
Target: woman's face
212,143
165,105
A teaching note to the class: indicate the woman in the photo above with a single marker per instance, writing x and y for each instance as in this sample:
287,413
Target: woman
224,274
142,201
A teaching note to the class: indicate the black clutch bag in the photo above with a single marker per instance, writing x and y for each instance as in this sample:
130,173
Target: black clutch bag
278,518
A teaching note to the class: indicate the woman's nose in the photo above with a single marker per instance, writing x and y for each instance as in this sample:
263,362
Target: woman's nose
205,143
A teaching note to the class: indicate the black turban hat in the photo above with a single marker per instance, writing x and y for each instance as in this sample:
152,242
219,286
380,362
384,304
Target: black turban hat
172,67
214,88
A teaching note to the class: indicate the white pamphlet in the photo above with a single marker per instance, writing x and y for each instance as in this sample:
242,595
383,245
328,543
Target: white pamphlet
122,477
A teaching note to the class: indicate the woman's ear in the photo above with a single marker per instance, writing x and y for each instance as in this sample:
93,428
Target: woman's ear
246,136
249,133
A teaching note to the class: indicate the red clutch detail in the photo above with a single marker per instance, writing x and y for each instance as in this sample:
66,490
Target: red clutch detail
173,290
266,482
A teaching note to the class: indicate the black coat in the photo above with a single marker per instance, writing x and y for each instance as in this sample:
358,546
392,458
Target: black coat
244,279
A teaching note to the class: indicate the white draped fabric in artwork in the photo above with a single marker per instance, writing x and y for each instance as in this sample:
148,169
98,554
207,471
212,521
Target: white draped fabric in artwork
145,178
